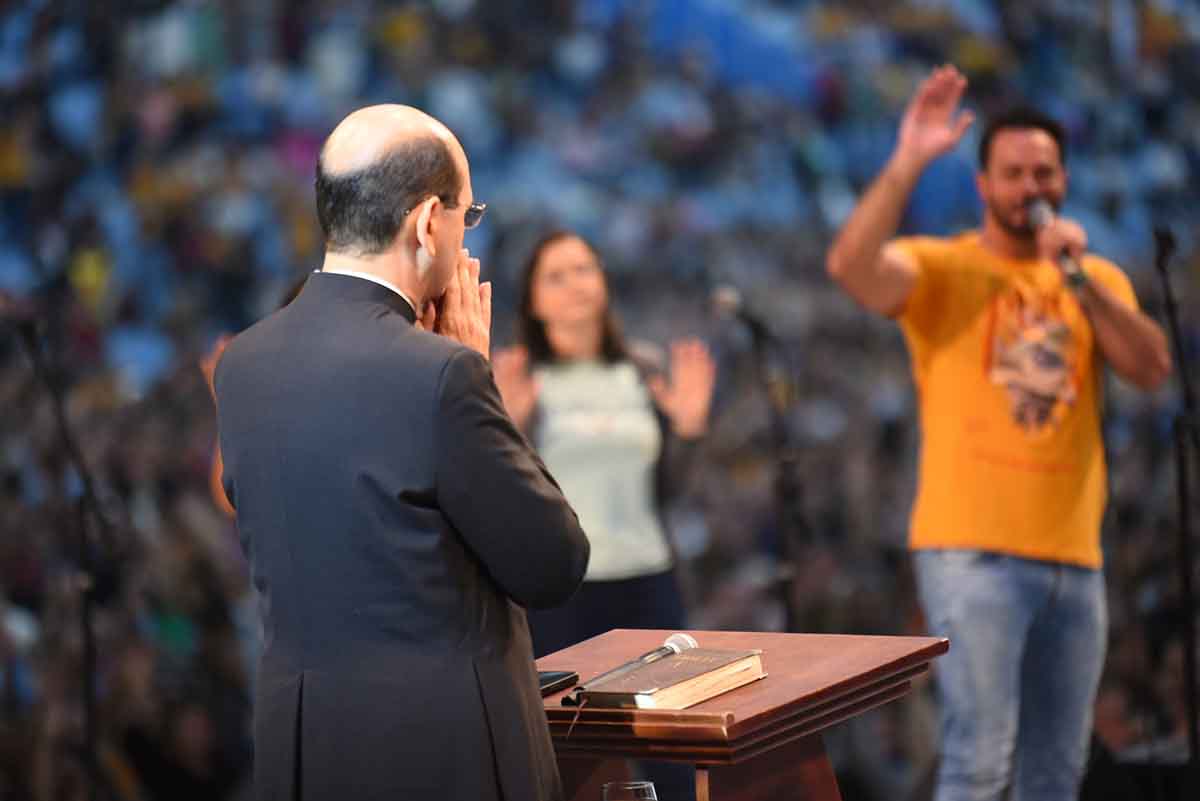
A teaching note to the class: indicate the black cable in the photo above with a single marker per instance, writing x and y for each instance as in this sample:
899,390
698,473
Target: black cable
1187,444
87,510
793,530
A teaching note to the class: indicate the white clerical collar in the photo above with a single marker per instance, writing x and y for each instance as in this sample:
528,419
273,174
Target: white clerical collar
374,279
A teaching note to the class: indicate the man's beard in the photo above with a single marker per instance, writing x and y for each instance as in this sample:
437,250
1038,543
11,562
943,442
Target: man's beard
1023,231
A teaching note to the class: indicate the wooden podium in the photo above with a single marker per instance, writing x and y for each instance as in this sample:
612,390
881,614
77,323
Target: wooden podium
761,741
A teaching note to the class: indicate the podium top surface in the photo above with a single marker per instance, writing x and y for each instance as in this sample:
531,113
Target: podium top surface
813,681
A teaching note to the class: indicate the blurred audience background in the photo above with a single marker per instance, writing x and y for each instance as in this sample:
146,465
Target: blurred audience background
156,165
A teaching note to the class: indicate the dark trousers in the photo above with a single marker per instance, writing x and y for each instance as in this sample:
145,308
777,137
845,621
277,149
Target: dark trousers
643,602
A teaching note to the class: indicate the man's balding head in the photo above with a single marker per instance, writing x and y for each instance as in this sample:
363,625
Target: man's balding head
378,162
367,135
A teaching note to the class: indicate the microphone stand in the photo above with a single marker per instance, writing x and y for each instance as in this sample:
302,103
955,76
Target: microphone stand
1187,443
793,529
86,508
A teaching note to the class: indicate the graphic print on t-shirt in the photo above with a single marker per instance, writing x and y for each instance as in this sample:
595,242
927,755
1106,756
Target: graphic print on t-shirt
1033,356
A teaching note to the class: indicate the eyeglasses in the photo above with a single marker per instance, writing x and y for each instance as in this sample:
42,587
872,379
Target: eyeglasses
471,217
474,214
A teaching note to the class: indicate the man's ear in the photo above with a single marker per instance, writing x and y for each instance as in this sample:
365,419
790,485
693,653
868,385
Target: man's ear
427,224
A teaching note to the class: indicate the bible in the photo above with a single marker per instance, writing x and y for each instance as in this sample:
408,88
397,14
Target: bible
674,682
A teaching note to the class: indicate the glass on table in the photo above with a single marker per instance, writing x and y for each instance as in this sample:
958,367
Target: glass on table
629,791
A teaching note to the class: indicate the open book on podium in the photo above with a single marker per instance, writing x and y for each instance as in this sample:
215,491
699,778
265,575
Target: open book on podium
676,681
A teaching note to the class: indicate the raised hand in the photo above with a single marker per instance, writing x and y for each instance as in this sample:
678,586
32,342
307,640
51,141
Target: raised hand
686,398
933,123
466,308
518,388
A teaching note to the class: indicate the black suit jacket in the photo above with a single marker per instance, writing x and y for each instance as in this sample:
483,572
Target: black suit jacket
396,523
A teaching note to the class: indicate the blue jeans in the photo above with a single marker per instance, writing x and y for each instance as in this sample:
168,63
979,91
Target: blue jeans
1027,644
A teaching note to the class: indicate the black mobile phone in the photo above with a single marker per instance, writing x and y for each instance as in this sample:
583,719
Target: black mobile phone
552,681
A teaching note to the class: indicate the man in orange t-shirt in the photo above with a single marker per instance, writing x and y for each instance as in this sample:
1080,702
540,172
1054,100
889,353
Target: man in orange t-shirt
1008,328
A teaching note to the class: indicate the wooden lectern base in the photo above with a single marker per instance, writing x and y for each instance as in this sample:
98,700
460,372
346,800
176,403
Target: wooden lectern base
583,778
797,771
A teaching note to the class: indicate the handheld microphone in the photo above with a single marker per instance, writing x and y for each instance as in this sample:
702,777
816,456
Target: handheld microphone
1041,214
675,644
1164,245
727,300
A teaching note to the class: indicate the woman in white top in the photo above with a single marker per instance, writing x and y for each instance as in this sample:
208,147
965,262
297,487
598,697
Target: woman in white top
612,428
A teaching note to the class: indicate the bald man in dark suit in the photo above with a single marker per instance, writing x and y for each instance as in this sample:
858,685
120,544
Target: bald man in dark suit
396,522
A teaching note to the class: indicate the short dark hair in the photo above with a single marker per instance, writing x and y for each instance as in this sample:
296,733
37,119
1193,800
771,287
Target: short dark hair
531,332
1022,117
362,211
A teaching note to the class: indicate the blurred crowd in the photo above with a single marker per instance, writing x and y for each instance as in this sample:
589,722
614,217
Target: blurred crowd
156,165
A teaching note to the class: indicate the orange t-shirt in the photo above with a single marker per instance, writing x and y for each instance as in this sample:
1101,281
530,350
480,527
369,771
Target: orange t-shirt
1008,378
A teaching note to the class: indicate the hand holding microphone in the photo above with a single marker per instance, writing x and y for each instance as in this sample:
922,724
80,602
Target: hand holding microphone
1061,240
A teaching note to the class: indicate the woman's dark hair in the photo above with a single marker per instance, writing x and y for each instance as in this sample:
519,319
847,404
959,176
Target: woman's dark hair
531,332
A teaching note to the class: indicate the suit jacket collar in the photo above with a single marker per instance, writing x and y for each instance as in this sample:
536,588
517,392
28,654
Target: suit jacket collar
349,288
